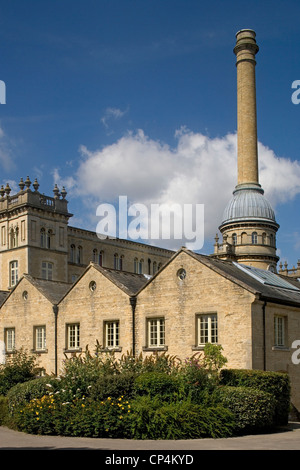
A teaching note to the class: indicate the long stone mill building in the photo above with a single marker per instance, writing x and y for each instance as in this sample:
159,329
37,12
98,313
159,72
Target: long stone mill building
62,288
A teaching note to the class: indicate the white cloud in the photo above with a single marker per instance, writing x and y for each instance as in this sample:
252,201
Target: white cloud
112,113
198,170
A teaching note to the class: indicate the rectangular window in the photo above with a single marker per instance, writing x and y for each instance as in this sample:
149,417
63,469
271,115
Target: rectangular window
40,338
73,336
47,270
156,332
9,335
279,331
207,329
13,273
112,334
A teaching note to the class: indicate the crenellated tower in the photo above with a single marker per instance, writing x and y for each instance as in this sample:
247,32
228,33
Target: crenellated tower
33,234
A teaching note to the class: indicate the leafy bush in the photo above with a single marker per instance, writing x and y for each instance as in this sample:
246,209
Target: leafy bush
3,411
113,386
167,387
19,368
275,383
50,415
254,410
26,391
152,419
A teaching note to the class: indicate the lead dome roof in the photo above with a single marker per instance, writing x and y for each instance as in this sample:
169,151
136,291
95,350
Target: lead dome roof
248,203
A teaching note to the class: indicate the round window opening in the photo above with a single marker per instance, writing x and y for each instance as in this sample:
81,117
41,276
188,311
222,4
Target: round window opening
181,274
92,286
25,295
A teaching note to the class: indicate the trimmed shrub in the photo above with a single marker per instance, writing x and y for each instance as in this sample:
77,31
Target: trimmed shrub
24,392
254,410
153,384
152,419
275,383
113,386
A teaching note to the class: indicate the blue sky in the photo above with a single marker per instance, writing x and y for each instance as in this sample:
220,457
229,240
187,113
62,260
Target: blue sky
138,97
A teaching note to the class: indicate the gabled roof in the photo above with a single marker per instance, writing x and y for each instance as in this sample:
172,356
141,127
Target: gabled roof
244,278
51,290
130,283
286,293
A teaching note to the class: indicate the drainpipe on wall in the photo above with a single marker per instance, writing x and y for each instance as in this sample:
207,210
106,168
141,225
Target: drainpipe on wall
264,334
55,311
133,305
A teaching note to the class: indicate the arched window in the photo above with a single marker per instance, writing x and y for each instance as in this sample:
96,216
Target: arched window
234,239
254,238
72,253
48,239
14,237
101,258
272,240
141,266
95,255
154,267
43,238
244,238
79,255
116,261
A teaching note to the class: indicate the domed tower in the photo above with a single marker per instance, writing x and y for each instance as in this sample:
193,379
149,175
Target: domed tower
248,227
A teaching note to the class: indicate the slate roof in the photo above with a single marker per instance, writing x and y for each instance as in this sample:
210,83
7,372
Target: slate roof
3,296
265,291
129,282
52,290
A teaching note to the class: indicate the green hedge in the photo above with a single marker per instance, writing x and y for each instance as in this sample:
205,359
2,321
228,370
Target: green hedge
152,419
113,386
26,391
254,410
3,410
167,387
275,383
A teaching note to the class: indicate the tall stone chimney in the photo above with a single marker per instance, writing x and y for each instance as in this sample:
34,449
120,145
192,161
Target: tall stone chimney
248,227
245,51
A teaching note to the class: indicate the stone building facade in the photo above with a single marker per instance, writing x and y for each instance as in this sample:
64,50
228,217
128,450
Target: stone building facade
63,289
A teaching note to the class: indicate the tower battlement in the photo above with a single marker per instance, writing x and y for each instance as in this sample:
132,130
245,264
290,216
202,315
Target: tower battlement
28,197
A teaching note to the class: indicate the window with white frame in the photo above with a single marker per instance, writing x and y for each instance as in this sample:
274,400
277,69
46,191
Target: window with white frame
207,328
47,270
156,332
111,329
279,330
40,338
10,336
73,336
13,273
